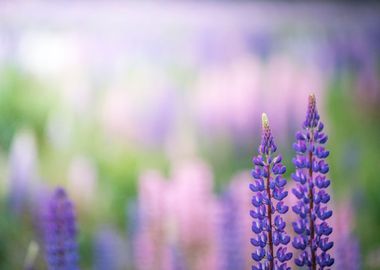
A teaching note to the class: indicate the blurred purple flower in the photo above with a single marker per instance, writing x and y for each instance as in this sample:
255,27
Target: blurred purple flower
109,250
59,232
311,227
230,233
347,249
241,195
133,224
175,258
270,237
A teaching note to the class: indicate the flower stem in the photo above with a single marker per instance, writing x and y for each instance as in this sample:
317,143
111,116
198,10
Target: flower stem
311,206
270,237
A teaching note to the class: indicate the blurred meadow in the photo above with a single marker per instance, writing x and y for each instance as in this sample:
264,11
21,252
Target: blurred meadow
148,115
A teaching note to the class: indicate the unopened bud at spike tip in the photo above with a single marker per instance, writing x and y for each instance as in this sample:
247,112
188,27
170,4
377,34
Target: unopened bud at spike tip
265,121
312,116
312,98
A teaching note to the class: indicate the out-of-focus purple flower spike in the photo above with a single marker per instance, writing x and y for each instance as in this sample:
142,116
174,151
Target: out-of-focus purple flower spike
230,233
60,230
311,227
347,249
110,250
268,186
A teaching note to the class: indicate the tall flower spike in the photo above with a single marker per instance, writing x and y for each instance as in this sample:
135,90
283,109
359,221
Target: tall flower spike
270,238
311,227
60,231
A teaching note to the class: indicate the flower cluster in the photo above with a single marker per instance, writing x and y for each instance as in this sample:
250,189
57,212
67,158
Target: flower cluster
311,226
268,187
60,231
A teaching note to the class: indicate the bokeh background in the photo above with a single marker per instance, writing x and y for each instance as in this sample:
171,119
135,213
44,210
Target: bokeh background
149,114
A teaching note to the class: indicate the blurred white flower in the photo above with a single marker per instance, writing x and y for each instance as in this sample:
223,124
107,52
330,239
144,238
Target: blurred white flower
22,169
82,180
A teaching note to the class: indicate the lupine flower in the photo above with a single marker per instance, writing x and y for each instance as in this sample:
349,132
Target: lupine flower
311,227
347,249
194,203
170,213
238,188
60,231
270,237
348,253
149,239
230,233
175,258
109,250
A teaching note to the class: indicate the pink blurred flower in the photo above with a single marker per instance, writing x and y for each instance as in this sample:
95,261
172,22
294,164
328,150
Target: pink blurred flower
149,239
82,180
347,250
195,211
171,214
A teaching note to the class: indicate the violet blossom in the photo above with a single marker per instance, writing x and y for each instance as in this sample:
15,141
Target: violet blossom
311,227
268,225
59,231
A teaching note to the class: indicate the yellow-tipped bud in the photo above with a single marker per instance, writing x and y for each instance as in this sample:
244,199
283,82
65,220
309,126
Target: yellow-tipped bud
312,100
265,121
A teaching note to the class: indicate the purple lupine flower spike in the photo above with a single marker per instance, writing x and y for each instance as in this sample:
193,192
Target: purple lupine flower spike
311,227
268,185
60,231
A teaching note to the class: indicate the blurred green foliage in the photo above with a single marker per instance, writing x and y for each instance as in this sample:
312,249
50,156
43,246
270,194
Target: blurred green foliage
354,142
23,105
